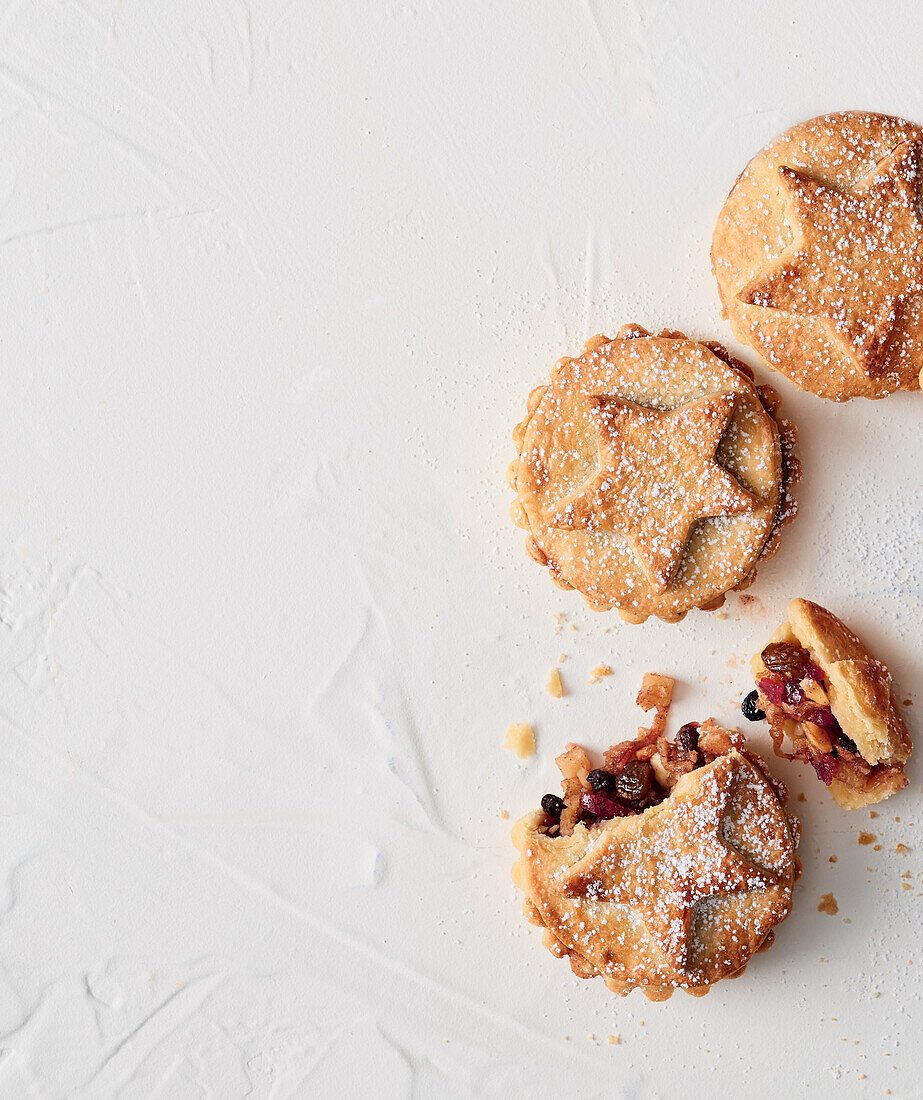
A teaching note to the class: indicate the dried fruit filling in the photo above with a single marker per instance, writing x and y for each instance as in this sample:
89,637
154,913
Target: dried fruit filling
795,691
636,775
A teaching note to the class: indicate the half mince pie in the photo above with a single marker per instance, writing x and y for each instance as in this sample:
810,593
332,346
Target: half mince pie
820,687
665,869
652,474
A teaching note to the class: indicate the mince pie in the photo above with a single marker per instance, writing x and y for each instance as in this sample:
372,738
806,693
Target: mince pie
821,688
652,475
818,254
667,868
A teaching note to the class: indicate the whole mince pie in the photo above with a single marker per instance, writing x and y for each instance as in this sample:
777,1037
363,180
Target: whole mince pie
666,868
652,474
821,688
818,255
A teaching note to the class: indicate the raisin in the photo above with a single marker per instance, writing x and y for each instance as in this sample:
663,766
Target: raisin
751,709
792,694
601,780
633,784
846,742
786,659
552,805
688,737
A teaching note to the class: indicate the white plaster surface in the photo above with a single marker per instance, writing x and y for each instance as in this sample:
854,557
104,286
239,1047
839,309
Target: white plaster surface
276,280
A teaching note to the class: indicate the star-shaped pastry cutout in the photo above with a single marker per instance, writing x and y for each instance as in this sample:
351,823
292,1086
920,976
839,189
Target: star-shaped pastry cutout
657,476
857,256
663,868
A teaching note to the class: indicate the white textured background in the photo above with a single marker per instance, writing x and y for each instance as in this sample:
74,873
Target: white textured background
276,280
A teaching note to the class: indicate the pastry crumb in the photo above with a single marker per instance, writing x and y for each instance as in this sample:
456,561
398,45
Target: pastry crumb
562,657
873,813
833,859
505,814
599,672
866,838
801,797
554,686
901,849
520,739
615,1040
877,848
828,905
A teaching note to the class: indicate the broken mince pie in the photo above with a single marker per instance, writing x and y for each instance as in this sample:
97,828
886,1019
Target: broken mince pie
665,869
820,687
652,474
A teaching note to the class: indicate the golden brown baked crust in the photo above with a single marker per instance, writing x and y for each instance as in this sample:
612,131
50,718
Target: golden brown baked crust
860,696
818,255
652,474
677,897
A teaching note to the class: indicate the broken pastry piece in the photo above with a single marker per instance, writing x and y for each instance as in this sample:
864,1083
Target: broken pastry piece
820,687
667,868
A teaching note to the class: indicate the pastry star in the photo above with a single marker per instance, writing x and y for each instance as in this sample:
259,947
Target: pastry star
657,476
661,869
859,256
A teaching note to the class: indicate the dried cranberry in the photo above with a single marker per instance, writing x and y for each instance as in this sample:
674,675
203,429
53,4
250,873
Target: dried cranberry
601,780
633,783
772,689
603,805
552,805
688,736
824,764
751,708
792,694
786,659
815,673
820,716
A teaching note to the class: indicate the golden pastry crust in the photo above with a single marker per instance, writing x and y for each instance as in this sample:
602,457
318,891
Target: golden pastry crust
636,556
677,897
818,255
860,696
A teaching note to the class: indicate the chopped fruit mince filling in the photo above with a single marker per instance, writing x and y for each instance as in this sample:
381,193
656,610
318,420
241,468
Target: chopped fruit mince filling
794,691
635,774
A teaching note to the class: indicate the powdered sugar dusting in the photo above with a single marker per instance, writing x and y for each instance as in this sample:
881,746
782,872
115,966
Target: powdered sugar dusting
663,873
860,255
657,477
650,475
818,255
